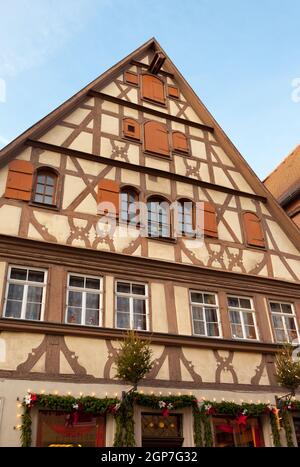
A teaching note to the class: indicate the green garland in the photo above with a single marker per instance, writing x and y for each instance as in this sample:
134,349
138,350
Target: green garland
287,429
124,414
275,430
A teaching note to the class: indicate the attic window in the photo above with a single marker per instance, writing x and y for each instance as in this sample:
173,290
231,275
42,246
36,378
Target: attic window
131,129
45,187
173,91
131,78
153,89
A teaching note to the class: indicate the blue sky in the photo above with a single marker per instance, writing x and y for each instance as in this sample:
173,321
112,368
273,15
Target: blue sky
240,56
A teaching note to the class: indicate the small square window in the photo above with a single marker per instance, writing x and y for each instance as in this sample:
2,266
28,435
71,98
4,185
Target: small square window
131,128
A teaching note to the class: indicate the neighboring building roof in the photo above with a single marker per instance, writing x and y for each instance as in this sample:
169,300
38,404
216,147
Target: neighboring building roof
284,181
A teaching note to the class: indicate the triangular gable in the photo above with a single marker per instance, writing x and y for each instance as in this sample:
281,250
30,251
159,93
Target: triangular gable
253,184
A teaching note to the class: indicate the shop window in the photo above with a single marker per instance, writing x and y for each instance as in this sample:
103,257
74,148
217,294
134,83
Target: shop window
58,429
159,431
229,433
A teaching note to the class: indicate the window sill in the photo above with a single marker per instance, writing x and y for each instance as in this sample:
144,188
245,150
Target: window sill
164,239
256,248
158,103
49,207
158,155
131,139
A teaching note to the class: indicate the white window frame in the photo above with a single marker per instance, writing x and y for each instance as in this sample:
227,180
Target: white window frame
241,312
283,315
131,296
84,291
206,305
26,284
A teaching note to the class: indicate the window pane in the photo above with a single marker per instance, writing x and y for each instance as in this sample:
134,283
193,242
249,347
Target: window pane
139,322
93,301
15,291
212,329
38,198
75,299
250,332
18,274
277,322
233,302
123,304
235,317
48,200
138,289
33,311
139,306
13,309
290,323
245,303
35,294
74,315
76,281
237,331
209,299
248,319
275,307
36,276
123,320
197,297
197,313
123,287
199,328
92,283
286,308
49,191
280,335
211,315
49,180
92,317
41,179
40,189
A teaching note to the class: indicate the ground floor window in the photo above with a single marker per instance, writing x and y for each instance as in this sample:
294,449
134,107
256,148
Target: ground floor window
229,433
159,431
60,429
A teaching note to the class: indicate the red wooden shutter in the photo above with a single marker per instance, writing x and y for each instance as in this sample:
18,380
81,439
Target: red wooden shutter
19,180
153,88
131,128
209,220
173,91
156,138
180,142
253,229
109,192
131,78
